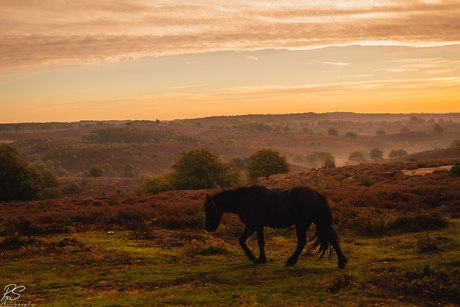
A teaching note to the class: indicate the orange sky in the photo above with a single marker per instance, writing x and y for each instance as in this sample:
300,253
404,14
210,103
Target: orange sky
100,60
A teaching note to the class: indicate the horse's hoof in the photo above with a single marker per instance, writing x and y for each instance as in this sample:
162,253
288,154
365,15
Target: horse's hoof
260,261
289,263
341,265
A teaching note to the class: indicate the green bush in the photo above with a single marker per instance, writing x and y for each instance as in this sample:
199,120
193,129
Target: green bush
156,183
96,171
73,187
366,181
63,173
50,178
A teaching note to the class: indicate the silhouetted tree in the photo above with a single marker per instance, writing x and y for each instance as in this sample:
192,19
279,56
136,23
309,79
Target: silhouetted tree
333,132
18,181
438,128
351,135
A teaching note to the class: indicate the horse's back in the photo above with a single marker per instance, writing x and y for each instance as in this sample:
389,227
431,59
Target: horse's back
267,207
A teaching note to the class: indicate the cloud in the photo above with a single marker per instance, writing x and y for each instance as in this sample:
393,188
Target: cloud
52,32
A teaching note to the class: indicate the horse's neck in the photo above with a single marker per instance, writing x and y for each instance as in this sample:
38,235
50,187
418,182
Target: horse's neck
231,202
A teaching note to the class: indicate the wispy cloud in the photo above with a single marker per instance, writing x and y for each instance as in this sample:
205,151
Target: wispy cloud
44,32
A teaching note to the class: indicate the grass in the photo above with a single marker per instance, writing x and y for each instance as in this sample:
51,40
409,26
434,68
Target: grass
191,267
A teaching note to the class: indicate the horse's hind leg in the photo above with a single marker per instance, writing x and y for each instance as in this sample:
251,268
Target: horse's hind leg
341,257
301,231
261,242
244,236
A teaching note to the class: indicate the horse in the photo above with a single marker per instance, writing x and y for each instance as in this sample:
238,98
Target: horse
259,207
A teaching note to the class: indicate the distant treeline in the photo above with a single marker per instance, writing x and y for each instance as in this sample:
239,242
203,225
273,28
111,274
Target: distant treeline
140,136
34,126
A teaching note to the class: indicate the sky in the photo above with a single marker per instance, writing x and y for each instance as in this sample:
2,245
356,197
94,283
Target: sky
151,59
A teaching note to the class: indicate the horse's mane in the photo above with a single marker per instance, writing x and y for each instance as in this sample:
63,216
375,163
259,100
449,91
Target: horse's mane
228,197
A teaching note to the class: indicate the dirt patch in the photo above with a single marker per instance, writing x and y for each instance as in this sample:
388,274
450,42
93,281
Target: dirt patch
427,170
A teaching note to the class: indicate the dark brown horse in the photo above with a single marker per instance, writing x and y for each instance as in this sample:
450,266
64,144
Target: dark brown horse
259,207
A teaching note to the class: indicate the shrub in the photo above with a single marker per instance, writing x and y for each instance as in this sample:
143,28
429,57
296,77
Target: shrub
397,153
438,128
455,143
96,171
128,171
455,170
266,162
376,154
18,181
108,170
333,132
419,222
73,187
405,129
156,183
366,181
63,173
52,193
50,178
356,156
380,132
351,135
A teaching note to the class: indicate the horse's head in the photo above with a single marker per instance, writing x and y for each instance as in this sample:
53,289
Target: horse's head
213,214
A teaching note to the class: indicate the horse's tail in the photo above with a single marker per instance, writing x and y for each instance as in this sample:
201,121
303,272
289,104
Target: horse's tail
324,232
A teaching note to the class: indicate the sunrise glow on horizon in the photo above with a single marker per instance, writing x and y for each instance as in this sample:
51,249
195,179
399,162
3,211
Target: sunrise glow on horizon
120,60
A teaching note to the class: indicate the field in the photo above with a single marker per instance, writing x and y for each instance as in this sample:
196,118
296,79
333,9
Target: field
399,230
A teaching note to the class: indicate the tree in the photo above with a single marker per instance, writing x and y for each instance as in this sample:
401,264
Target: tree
63,173
397,153
357,156
266,162
376,154
50,178
128,171
333,132
381,132
201,169
96,171
18,181
438,128
351,135
312,160
405,129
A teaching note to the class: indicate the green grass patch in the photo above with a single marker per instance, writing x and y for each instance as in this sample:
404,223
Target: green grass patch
194,268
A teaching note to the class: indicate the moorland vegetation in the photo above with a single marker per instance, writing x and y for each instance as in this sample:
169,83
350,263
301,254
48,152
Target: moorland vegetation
131,237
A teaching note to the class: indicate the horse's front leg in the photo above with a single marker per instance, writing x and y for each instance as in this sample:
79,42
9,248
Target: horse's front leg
261,241
244,236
